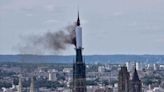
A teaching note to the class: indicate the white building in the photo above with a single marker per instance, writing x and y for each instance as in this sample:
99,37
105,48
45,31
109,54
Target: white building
139,66
101,69
52,75
130,66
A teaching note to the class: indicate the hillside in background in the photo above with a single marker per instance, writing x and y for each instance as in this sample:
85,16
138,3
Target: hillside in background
88,58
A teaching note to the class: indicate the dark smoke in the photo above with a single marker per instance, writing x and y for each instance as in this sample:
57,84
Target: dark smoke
58,40
50,41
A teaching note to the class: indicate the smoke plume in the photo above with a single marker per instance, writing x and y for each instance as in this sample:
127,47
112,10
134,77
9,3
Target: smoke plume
50,41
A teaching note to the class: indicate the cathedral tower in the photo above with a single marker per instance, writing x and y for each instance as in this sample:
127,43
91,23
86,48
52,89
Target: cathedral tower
123,78
79,73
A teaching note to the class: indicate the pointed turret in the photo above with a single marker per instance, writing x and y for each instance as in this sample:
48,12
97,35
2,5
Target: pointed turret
136,85
135,76
78,20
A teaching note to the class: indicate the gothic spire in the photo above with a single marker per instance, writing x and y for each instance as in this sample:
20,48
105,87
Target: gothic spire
135,76
78,20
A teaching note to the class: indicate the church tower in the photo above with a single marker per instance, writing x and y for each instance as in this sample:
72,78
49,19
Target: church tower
123,80
135,85
79,73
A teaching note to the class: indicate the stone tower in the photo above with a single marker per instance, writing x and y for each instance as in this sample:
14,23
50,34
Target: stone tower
123,78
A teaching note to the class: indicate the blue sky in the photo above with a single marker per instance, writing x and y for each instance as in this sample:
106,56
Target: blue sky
109,26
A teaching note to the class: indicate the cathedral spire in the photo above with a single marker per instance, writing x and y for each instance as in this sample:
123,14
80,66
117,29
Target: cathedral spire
136,85
79,69
78,20
135,75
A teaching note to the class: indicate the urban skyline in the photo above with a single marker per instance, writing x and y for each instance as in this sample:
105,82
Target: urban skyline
118,27
38,31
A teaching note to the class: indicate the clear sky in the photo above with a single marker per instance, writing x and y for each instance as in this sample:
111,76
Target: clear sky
109,26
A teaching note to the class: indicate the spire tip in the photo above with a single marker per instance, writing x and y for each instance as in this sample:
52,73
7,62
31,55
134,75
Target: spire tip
78,20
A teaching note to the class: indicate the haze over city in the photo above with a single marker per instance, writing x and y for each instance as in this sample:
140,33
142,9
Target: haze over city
109,26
